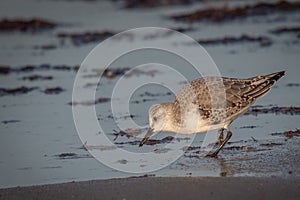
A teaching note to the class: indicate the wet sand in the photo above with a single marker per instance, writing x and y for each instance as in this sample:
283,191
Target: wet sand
164,188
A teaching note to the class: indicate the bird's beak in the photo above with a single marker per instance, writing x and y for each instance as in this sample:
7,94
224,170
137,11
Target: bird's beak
148,134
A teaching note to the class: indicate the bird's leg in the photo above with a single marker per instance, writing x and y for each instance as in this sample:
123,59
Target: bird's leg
220,136
228,136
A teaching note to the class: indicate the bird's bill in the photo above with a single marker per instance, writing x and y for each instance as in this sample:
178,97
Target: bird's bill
147,136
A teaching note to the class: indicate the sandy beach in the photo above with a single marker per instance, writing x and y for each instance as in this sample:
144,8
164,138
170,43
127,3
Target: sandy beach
163,188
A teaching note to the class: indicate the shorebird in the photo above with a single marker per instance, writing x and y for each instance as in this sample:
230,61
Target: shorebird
209,103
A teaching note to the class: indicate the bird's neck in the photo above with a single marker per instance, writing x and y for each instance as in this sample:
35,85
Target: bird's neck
169,118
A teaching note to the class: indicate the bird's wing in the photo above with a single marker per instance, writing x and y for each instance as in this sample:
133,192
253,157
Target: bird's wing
232,96
229,95
237,100
199,94
241,93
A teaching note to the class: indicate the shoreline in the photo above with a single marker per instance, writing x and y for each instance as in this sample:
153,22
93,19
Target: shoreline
163,188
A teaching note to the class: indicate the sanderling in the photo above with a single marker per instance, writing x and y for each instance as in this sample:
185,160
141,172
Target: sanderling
209,103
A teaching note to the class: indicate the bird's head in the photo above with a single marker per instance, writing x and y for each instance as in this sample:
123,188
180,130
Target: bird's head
158,119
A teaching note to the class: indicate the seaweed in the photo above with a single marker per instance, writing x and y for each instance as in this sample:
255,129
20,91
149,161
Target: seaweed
16,91
262,40
225,13
32,25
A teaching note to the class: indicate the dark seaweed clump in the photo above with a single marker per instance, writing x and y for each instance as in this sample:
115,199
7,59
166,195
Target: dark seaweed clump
282,30
149,94
226,14
16,91
262,40
5,69
287,30
45,47
54,90
10,121
36,77
151,142
32,25
90,102
288,134
154,3
78,39
72,156
290,110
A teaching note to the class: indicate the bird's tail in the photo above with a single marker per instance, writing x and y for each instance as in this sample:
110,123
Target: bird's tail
262,84
274,76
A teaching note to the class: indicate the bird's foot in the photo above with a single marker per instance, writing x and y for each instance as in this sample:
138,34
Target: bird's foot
212,155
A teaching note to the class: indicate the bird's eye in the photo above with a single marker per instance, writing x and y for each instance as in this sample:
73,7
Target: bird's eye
155,119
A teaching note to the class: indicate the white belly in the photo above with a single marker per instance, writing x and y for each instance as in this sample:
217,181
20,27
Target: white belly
194,123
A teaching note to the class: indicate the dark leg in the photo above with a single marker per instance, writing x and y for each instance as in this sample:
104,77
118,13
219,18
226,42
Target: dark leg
221,136
214,154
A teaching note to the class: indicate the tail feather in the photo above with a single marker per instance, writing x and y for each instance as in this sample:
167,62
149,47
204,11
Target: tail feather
261,90
262,84
275,76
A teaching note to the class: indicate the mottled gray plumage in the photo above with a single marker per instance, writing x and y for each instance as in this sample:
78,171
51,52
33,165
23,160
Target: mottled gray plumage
209,103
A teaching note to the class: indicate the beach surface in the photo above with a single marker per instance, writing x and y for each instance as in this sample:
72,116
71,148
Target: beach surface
163,188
